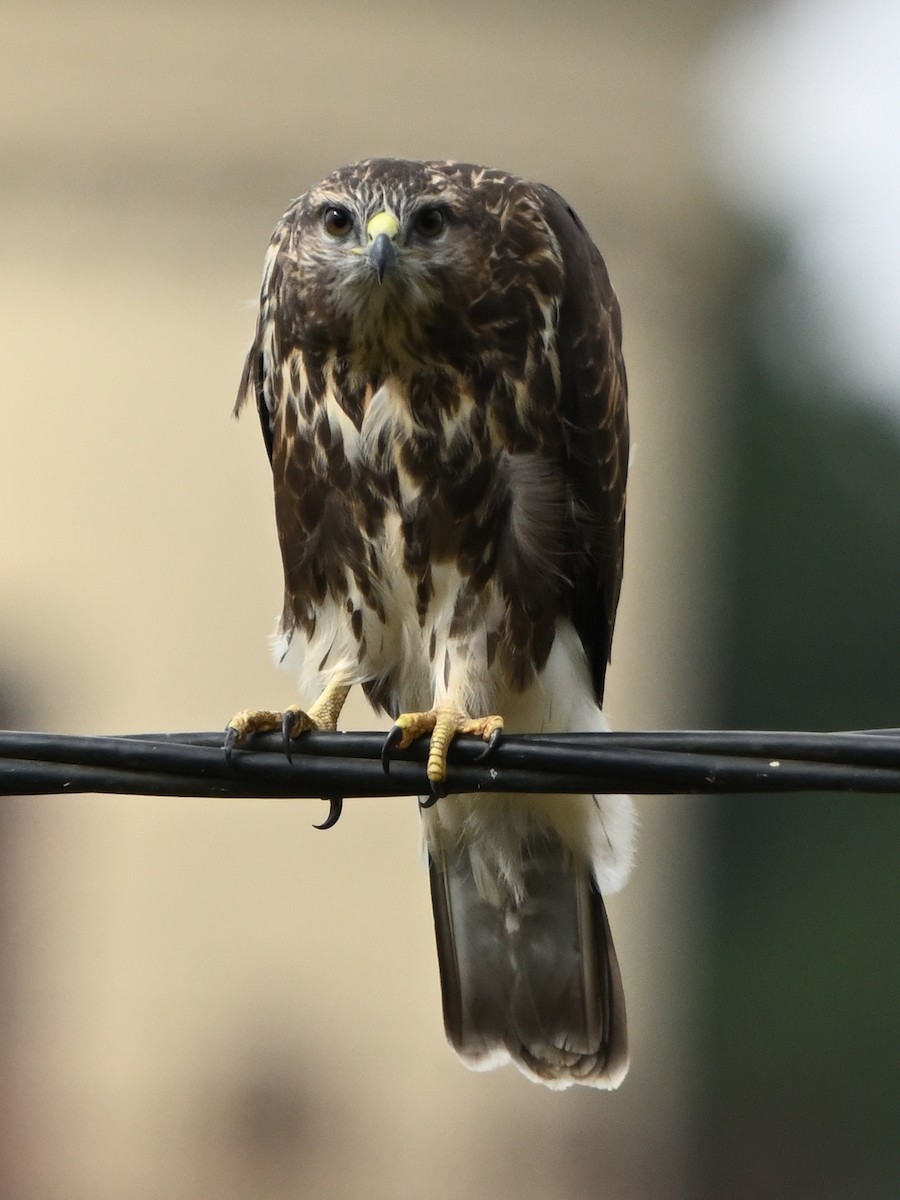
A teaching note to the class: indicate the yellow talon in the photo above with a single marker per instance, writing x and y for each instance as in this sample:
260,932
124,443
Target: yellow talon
444,724
292,722
252,720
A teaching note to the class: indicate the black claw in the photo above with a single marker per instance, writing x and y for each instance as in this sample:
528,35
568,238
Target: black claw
336,804
492,742
438,791
231,740
395,735
287,725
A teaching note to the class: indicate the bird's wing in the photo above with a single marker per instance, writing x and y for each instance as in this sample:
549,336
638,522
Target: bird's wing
595,431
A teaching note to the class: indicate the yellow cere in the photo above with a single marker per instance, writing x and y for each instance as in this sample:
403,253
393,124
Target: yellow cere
383,222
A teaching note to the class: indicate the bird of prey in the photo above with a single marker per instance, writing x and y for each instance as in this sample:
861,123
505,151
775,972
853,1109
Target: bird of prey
437,368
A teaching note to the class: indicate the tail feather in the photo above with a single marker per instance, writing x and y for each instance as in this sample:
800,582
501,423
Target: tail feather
530,974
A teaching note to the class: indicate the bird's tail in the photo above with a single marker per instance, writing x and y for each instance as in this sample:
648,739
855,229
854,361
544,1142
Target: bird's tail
529,973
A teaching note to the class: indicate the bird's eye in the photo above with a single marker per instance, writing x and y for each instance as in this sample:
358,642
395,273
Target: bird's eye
337,221
430,222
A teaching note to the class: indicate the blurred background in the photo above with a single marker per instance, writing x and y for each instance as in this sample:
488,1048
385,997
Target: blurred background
208,998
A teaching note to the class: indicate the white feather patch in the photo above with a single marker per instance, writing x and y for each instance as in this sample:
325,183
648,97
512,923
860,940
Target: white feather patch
598,829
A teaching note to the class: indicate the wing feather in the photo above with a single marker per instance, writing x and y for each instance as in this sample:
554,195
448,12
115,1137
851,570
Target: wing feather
260,373
595,430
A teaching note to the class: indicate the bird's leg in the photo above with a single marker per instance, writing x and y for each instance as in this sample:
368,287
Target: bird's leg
443,724
292,722
326,710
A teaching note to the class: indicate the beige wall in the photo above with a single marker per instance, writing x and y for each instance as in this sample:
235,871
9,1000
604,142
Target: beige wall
210,998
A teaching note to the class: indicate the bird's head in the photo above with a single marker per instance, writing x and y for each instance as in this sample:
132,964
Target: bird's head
384,247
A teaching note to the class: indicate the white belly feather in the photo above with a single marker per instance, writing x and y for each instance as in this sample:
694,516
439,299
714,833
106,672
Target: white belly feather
598,829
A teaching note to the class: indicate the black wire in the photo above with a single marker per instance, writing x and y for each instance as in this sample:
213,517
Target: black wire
341,764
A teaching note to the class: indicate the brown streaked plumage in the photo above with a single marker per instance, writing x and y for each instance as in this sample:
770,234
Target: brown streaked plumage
438,372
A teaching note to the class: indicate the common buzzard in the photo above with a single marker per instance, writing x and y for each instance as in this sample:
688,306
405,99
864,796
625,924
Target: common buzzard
438,373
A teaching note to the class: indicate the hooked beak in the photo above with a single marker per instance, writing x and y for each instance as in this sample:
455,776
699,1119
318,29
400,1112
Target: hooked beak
382,232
